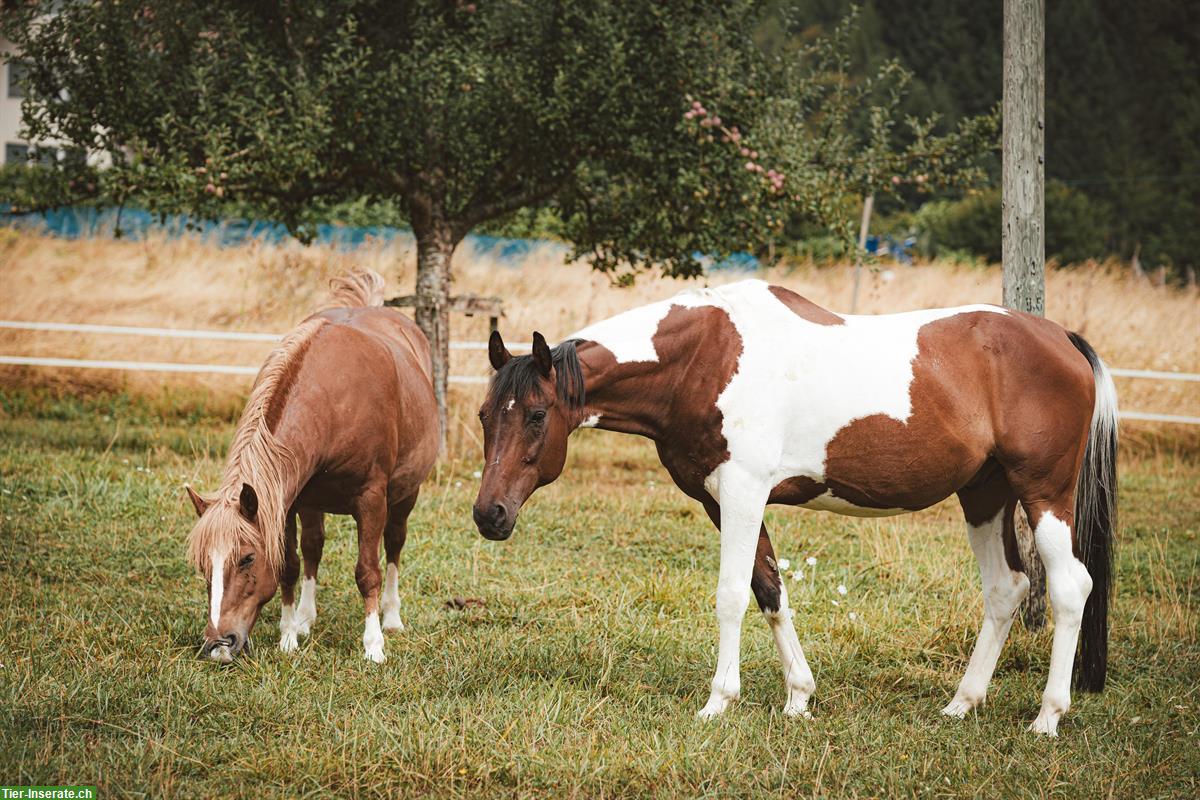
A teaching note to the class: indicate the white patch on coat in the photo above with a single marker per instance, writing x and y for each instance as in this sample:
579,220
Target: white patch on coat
512,401
217,587
629,336
373,639
799,382
590,422
390,602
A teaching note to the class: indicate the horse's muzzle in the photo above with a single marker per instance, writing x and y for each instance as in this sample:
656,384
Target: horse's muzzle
224,649
494,521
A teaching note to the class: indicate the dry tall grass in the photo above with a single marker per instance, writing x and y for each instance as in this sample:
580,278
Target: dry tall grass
188,283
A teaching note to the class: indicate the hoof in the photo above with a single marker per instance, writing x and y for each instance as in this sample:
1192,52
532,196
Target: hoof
375,654
715,707
797,711
1046,724
391,621
288,642
959,707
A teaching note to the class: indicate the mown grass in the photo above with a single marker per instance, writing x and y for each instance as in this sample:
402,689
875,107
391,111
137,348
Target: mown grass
581,672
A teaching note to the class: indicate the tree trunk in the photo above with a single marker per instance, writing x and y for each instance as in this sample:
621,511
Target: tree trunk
432,312
1023,195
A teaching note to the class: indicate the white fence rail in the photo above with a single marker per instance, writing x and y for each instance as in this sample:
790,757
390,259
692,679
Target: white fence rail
247,336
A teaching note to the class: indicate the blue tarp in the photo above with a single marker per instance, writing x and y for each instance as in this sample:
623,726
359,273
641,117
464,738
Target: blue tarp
135,223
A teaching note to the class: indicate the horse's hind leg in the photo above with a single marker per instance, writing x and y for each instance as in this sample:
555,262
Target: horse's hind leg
312,545
1068,585
371,515
287,587
989,511
394,536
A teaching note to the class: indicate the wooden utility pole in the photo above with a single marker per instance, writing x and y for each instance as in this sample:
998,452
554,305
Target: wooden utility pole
1023,195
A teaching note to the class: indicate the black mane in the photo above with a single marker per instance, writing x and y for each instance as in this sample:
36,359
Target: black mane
519,377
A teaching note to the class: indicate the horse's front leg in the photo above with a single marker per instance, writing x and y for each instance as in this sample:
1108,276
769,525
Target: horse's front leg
371,516
741,499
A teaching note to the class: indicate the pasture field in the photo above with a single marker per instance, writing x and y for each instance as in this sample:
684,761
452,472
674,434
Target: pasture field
579,671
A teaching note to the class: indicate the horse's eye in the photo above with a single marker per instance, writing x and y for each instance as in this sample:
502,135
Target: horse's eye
536,417
246,561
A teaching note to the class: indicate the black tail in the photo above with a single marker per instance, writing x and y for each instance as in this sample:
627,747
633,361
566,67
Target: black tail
1096,522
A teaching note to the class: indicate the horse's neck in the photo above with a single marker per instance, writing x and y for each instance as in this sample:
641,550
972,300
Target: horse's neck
631,397
303,446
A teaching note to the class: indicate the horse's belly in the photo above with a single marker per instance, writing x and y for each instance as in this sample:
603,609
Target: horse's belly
858,499
831,502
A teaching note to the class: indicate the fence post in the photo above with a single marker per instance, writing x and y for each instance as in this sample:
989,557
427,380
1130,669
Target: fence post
1023,200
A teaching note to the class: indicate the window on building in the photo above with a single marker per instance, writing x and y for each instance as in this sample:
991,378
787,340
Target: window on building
16,77
16,153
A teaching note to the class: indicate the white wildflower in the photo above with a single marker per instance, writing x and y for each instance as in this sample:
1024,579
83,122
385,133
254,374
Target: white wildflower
853,616
458,484
476,474
811,561
841,588
783,563
798,575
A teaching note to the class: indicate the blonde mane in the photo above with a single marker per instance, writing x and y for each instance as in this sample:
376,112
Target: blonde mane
257,457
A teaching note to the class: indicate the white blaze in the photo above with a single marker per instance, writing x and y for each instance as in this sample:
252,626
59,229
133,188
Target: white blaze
217,590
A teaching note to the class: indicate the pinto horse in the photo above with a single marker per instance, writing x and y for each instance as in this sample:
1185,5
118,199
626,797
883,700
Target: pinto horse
341,420
754,395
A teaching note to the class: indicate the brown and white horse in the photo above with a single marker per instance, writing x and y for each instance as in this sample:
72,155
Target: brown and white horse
754,395
342,420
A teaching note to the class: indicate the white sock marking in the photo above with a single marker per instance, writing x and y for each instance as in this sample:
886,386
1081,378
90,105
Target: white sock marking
306,613
373,639
288,638
1068,586
390,602
797,677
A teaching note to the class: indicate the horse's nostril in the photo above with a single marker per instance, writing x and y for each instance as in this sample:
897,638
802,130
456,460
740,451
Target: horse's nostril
499,513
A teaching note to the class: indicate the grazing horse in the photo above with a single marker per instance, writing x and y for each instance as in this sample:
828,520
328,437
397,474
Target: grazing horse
754,395
341,420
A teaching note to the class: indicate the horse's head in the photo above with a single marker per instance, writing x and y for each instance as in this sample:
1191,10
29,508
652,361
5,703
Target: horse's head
227,546
532,406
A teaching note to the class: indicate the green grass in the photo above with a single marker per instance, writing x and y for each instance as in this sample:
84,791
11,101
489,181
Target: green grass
582,672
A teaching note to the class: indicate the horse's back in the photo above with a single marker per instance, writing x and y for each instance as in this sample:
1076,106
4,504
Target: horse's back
390,328
856,407
364,390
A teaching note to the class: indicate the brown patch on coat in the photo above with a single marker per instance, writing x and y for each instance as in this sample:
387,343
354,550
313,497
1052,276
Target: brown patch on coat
804,308
987,494
676,407
967,409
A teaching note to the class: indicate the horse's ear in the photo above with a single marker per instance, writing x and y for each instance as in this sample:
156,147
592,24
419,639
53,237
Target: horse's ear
248,502
200,504
497,353
541,354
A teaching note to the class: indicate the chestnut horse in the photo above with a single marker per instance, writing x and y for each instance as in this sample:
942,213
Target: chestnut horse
754,395
342,420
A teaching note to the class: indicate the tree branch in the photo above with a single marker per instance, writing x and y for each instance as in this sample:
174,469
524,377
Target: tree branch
483,211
